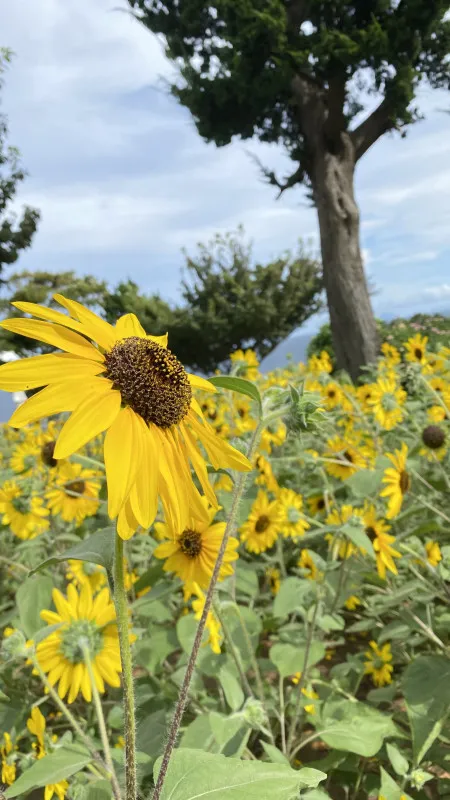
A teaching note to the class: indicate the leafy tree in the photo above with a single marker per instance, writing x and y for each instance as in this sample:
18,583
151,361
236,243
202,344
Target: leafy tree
15,233
228,302
39,287
301,73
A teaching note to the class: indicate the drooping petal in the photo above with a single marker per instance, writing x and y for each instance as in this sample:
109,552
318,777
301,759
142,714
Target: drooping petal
96,328
144,492
56,398
123,454
129,325
127,523
94,415
53,334
30,373
199,465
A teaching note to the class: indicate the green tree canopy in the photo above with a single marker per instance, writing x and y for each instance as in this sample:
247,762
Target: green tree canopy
16,232
324,78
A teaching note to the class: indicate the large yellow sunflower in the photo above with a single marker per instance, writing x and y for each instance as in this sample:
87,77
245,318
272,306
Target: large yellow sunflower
263,525
128,384
386,401
344,459
397,481
294,523
192,553
74,494
416,349
81,618
25,515
377,531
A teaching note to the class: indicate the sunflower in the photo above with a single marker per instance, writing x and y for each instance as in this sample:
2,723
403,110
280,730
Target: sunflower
416,349
346,459
24,457
436,414
213,626
266,477
7,749
386,403
130,385
378,664
442,388
434,439
332,395
36,726
26,516
391,354
273,576
81,618
81,572
74,494
307,563
318,364
59,789
316,504
247,363
397,480
223,483
352,602
192,553
339,543
270,438
377,531
260,531
434,555
294,524
364,394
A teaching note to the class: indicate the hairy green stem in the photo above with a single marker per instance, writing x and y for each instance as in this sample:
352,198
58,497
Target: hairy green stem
233,651
121,603
101,722
184,690
303,676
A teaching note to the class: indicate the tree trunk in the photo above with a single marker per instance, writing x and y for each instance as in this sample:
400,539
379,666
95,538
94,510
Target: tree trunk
353,326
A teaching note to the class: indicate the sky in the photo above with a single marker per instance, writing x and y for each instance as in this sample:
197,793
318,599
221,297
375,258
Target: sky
124,181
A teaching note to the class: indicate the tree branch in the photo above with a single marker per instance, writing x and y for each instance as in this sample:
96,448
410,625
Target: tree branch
374,126
269,176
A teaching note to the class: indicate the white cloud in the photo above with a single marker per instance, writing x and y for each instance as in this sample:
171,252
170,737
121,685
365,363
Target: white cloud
439,292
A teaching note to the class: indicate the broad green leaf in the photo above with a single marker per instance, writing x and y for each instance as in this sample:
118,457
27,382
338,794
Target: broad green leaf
198,734
232,689
194,774
354,727
357,535
100,790
331,622
389,788
246,580
152,651
426,687
289,659
33,595
186,630
275,755
224,728
394,630
399,762
151,733
365,482
97,549
51,769
291,595
240,385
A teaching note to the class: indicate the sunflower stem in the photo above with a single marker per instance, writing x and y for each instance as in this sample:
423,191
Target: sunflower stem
303,677
184,690
121,603
101,722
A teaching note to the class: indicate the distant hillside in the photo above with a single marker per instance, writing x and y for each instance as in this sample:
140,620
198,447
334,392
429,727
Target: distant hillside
295,345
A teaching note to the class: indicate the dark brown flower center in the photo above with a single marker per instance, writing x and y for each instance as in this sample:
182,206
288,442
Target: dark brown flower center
345,457
262,523
190,543
77,487
404,482
47,451
418,353
320,504
331,393
433,437
150,379
371,532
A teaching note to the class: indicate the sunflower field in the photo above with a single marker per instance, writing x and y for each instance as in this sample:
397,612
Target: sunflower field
230,588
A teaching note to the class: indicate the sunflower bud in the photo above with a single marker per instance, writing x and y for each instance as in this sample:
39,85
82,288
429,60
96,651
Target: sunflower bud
433,437
254,713
304,412
15,645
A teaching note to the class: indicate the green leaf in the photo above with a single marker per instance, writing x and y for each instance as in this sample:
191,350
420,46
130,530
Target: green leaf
358,536
151,733
192,774
389,788
289,659
57,766
240,385
365,482
275,755
33,595
232,689
198,734
225,728
97,549
291,595
426,687
354,727
100,790
399,763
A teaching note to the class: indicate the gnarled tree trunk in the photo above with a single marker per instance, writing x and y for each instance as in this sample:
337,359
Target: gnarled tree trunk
352,320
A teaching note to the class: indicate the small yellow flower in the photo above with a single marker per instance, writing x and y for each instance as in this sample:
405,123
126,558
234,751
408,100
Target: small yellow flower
59,789
340,544
378,664
36,726
391,354
213,626
416,349
352,602
307,563
436,414
377,531
294,523
310,694
266,477
386,403
318,364
74,494
80,572
434,555
397,480
344,459
316,504
273,577
332,395
192,553
25,515
260,531
247,362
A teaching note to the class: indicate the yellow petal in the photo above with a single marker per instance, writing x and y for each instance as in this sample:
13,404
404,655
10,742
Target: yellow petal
161,340
144,492
201,383
96,328
129,325
127,523
49,314
53,334
30,373
199,465
94,414
56,398
123,454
